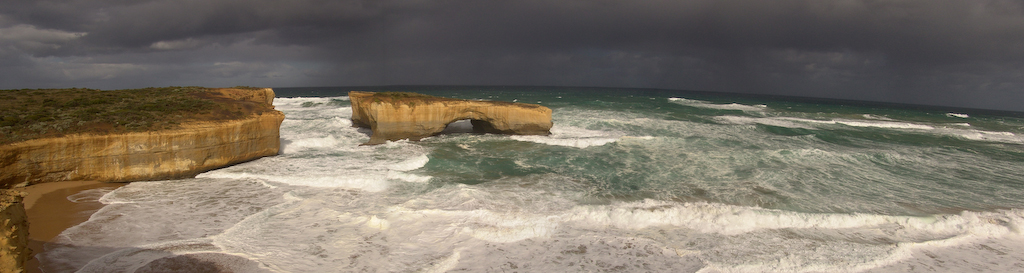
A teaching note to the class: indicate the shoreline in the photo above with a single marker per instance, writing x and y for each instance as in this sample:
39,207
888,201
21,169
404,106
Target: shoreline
50,212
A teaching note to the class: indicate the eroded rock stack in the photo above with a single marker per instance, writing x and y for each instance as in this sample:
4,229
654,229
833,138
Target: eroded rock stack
394,116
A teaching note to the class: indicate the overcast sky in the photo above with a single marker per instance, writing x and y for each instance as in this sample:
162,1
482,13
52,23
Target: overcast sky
937,52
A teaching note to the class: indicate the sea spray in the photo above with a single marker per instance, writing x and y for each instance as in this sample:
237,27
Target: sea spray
629,180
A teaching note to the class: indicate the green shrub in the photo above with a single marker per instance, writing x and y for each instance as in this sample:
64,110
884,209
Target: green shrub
31,113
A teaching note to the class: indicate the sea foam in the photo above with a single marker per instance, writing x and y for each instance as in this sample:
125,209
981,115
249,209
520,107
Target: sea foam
570,136
710,105
304,232
675,193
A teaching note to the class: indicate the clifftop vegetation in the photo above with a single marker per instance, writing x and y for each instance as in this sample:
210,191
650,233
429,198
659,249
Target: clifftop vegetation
35,113
404,98
409,98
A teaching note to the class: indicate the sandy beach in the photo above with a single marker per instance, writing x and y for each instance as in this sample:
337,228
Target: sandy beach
50,212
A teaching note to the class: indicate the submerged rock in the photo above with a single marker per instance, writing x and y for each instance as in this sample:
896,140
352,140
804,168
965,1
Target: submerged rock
394,116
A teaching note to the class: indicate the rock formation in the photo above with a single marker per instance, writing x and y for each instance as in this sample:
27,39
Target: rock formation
14,251
195,147
166,154
394,116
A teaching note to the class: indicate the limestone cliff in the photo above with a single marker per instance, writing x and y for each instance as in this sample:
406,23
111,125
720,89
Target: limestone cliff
395,116
195,147
14,251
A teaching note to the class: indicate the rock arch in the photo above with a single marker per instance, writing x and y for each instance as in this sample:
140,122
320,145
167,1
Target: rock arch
395,116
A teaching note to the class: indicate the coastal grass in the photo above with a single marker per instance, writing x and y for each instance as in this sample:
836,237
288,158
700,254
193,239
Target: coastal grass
37,113
404,98
410,99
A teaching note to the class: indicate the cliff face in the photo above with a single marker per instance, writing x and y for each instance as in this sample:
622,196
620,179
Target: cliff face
14,251
164,154
419,116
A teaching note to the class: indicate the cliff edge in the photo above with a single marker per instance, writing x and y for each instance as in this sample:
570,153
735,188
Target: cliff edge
122,135
243,128
394,116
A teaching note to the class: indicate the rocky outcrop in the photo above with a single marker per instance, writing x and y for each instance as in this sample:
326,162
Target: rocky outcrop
14,251
395,116
166,154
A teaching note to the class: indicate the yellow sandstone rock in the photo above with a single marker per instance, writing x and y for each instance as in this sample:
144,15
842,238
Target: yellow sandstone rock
395,116
195,147
14,251
155,155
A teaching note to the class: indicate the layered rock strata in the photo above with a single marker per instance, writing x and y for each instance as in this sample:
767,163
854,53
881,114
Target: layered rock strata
14,251
396,116
196,147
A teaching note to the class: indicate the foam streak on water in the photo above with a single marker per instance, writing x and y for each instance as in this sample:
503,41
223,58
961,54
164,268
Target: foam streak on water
671,185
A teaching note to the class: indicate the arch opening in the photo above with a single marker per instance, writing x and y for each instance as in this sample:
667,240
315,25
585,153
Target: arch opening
458,127
467,126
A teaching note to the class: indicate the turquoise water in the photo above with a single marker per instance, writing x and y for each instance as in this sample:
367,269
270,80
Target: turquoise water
629,180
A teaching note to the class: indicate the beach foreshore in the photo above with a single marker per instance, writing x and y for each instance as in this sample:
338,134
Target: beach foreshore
50,211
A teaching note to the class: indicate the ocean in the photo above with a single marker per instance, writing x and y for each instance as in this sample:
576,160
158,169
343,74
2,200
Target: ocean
630,180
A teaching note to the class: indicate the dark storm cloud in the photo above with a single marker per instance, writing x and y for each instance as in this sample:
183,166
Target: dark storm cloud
963,53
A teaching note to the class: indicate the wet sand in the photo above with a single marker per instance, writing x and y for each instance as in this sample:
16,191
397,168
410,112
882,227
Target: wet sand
50,212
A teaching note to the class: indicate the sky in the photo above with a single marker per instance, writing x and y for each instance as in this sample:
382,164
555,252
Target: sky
931,52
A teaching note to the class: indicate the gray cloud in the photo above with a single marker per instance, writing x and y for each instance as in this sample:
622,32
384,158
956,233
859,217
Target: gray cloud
943,52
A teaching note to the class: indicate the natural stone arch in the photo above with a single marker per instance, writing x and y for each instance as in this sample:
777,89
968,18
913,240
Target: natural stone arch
395,116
